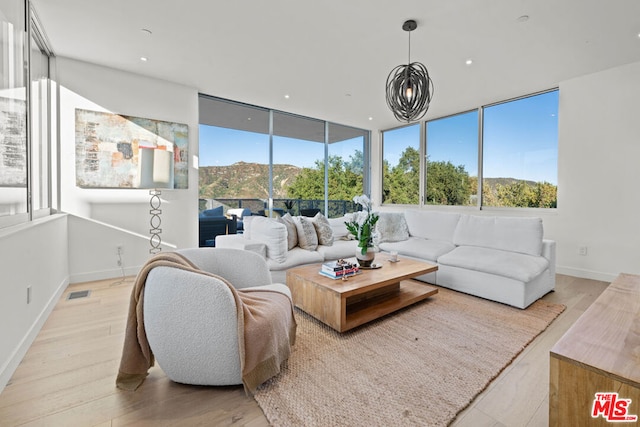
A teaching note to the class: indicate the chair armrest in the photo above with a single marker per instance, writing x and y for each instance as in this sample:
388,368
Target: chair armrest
237,241
277,287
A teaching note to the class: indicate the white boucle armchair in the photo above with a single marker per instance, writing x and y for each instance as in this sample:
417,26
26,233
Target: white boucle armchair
190,318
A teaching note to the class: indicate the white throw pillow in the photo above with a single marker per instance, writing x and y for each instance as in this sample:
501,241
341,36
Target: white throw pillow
323,229
246,227
292,232
338,228
273,234
392,227
307,236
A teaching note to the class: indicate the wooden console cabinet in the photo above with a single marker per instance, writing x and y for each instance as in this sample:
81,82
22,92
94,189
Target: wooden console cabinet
600,353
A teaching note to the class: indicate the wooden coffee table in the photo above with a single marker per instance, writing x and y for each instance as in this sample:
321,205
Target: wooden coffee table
343,305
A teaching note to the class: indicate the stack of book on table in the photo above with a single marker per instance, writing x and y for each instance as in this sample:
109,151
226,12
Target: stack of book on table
339,269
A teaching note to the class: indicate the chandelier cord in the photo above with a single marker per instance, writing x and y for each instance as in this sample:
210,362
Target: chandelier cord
409,54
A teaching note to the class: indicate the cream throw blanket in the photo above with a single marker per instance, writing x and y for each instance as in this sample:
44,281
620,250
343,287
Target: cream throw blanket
263,346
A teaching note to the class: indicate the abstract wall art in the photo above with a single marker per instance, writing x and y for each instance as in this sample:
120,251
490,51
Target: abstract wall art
107,146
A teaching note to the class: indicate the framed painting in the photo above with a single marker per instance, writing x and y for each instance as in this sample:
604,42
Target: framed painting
108,144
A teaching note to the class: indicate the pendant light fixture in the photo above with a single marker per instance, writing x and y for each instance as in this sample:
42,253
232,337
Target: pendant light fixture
409,87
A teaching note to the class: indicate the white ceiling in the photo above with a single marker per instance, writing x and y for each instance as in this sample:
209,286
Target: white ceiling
332,57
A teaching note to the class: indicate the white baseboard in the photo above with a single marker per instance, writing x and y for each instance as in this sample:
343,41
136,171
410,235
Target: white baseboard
7,370
104,274
586,274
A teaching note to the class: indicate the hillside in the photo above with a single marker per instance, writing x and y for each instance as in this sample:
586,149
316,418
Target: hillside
250,180
492,182
245,180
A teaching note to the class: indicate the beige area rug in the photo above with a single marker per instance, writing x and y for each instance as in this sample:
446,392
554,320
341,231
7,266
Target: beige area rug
418,367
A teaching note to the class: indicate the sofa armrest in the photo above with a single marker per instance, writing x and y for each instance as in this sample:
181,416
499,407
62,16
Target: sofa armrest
238,241
549,252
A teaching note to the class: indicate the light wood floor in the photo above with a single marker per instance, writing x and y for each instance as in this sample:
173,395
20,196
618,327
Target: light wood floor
67,377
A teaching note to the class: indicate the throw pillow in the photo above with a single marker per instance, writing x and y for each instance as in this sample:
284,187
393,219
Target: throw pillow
292,233
247,227
323,229
392,227
272,234
307,236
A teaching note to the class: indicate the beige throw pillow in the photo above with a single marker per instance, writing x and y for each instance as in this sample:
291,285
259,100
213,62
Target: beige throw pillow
307,237
292,232
323,229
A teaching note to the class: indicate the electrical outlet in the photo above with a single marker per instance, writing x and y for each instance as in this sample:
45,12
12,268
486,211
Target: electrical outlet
582,250
29,294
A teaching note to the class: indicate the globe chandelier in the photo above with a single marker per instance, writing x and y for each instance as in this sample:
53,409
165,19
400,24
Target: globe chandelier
409,87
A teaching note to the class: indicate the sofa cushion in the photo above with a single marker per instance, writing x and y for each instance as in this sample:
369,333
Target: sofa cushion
518,266
392,227
338,227
416,247
272,234
339,249
239,212
292,232
523,235
431,225
323,229
295,258
307,236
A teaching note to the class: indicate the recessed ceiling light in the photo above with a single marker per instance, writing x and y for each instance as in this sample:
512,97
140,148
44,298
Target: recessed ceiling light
523,18
370,118
468,62
286,97
144,59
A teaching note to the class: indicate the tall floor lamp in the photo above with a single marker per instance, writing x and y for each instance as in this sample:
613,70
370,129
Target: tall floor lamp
156,172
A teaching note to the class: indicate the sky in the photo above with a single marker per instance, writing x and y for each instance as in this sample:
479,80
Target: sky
520,141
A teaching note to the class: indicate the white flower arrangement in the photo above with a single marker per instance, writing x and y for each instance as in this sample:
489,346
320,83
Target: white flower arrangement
362,227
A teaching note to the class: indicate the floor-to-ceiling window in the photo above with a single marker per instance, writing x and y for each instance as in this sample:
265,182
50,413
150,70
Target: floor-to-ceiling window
347,169
234,155
273,162
298,163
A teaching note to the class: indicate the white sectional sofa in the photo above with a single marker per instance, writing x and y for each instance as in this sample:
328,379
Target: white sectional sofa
504,259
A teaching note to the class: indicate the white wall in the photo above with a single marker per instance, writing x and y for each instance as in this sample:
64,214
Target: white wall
92,87
34,255
93,251
598,176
